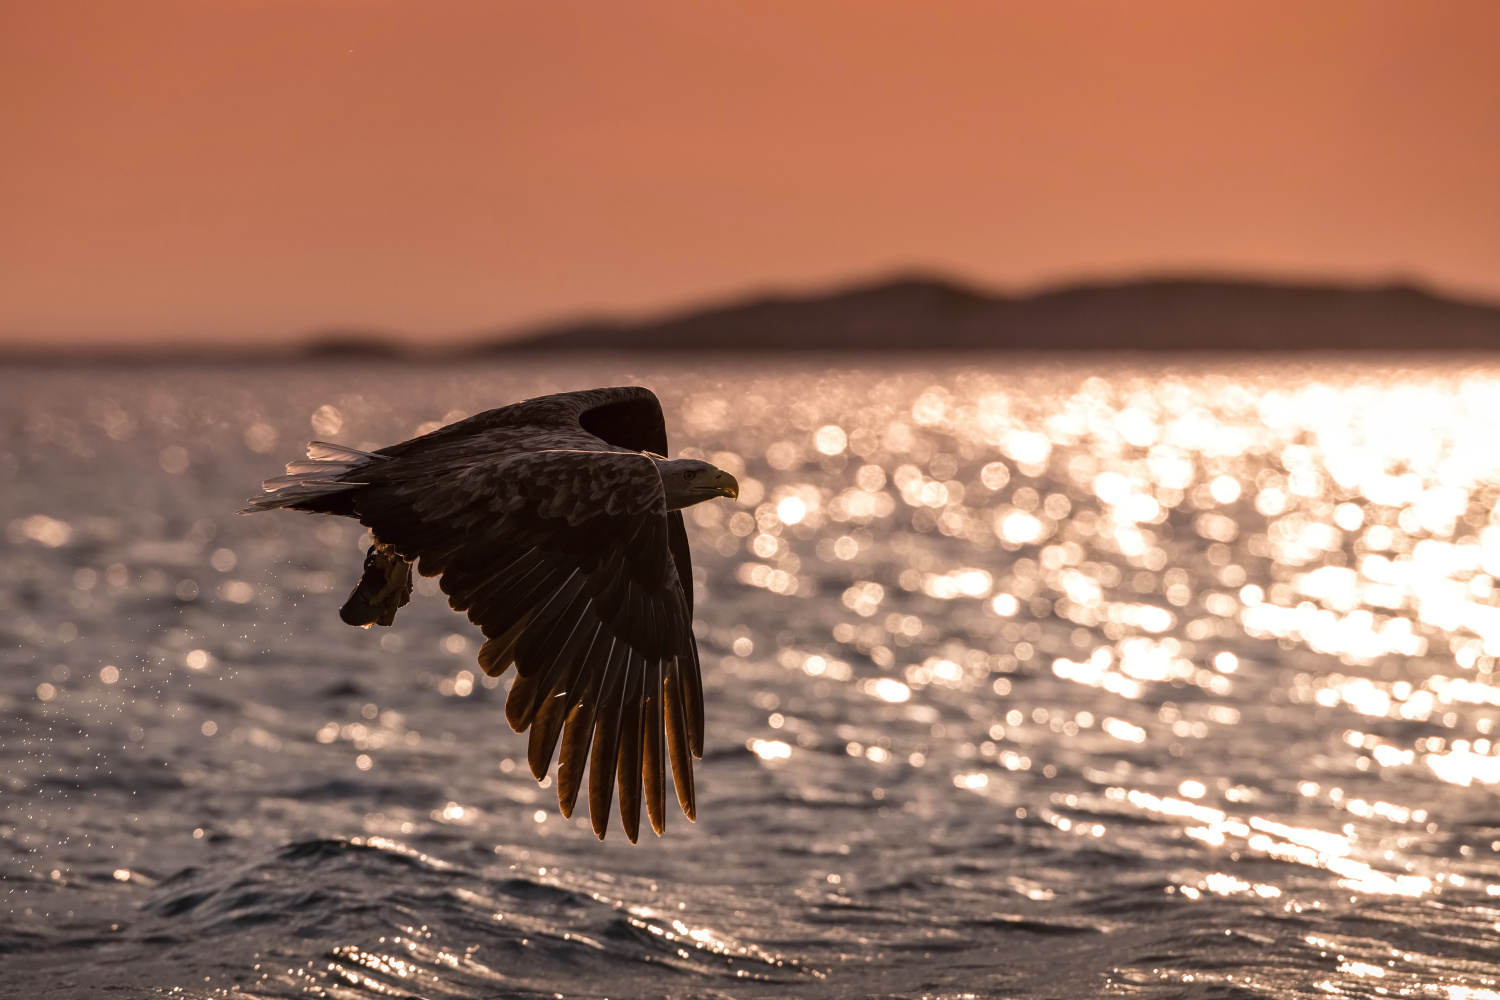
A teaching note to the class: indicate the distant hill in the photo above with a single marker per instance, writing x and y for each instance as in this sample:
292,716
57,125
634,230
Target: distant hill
929,314
1156,315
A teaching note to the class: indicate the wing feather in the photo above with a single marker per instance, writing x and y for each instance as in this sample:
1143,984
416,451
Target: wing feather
678,744
606,748
324,451
497,654
518,703
628,769
578,735
546,726
653,765
690,689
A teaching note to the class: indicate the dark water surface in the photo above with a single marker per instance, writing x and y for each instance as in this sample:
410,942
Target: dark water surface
1055,679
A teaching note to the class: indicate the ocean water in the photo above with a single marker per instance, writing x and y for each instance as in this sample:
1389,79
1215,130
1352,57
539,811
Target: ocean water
1025,678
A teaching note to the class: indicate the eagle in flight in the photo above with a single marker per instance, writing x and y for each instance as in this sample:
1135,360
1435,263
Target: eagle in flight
555,524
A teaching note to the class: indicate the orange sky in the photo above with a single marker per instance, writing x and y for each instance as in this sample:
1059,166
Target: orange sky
238,169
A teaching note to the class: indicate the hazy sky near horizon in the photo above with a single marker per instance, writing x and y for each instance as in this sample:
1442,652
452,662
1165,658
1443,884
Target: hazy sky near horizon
253,170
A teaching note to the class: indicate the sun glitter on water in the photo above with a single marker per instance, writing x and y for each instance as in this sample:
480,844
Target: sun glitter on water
1141,655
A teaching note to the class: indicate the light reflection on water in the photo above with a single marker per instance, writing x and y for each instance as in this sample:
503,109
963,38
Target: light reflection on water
1048,646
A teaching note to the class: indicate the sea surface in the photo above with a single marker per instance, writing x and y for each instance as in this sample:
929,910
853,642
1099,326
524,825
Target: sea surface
1025,678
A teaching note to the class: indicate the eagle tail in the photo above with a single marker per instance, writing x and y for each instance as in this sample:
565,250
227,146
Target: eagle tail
325,484
384,588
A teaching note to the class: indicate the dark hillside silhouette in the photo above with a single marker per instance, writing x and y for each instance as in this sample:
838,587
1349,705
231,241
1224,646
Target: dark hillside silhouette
1156,315
931,314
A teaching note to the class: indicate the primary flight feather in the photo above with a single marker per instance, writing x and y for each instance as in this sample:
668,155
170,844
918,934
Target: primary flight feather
555,524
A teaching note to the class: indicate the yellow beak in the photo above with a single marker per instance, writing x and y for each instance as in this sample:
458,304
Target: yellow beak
726,484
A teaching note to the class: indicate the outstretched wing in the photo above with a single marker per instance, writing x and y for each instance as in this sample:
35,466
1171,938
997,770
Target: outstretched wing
564,559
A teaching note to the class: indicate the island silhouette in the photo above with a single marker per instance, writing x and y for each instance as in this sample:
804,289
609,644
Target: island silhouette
1166,314
933,314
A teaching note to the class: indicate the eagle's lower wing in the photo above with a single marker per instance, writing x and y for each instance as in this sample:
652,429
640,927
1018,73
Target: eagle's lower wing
564,559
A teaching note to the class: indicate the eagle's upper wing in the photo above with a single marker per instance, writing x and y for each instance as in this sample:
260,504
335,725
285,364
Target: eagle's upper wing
560,549
628,417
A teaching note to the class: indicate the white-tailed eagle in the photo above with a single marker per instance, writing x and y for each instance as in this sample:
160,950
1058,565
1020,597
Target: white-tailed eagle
555,524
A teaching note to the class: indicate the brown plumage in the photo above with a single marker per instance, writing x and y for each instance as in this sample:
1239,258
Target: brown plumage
555,524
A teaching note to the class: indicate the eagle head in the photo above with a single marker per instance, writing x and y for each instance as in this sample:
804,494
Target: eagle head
688,481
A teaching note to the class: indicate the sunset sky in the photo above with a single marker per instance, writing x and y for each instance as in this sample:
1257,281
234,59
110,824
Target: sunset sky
175,171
